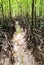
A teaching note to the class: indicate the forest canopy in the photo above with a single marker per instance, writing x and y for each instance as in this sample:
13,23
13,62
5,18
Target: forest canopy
20,6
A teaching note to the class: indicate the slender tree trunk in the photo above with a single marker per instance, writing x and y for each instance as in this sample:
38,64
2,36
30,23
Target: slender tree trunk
35,13
40,10
35,17
32,23
2,11
27,20
20,6
10,9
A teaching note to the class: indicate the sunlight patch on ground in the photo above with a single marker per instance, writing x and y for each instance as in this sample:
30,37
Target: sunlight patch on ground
21,54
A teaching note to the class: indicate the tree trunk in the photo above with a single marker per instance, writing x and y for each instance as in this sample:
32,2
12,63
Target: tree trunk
35,14
2,11
32,23
10,9
40,10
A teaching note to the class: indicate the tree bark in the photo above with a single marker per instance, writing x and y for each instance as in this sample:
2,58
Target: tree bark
32,23
10,9
2,11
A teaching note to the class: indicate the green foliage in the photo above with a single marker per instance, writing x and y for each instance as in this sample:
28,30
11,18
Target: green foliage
21,7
